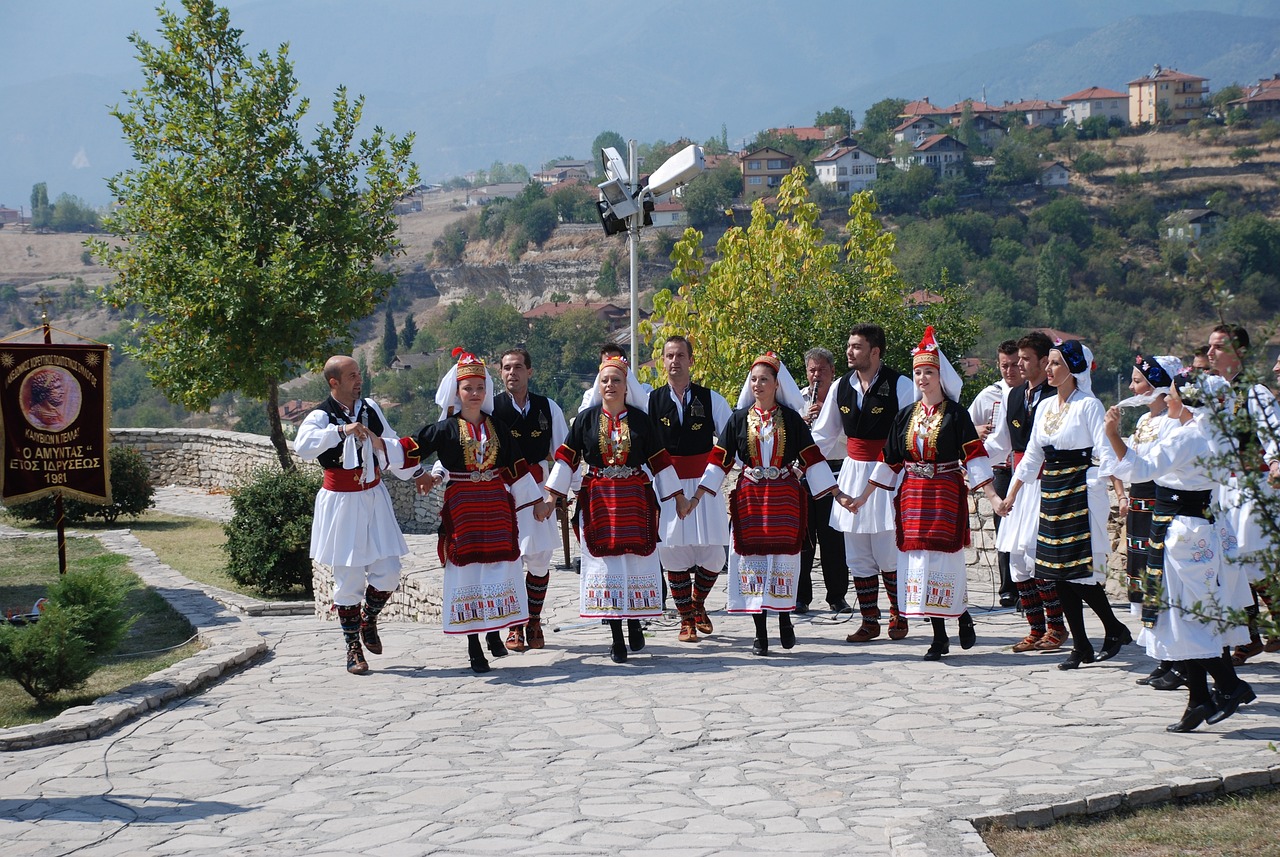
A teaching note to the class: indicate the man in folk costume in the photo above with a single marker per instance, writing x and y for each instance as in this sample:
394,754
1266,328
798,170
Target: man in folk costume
986,410
866,400
1255,441
489,487
820,368
354,530
1017,535
688,418
538,427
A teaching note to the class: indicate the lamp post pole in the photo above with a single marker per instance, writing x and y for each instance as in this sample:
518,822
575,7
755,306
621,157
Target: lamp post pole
633,246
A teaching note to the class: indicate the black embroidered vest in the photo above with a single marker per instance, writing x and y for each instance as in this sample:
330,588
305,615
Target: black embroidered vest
331,459
532,432
1019,418
696,435
880,405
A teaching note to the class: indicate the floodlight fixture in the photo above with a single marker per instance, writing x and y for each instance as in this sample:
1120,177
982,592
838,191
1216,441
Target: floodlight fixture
614,166
678,170
618,197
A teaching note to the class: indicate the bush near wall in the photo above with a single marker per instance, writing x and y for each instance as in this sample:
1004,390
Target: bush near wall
269,535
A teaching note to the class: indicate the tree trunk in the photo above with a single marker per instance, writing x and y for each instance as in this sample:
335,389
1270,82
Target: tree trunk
277,430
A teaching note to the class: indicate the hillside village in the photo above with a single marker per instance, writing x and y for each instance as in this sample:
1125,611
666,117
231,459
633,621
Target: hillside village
1069,213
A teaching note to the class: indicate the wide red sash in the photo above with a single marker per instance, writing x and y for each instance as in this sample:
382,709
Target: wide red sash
865,450
690,466
347,481
933,514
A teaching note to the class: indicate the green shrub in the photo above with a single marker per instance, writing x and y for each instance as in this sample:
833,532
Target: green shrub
131,494
49,656
269,535
96,597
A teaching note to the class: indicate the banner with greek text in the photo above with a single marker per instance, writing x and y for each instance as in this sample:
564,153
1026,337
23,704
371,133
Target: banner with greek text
53,421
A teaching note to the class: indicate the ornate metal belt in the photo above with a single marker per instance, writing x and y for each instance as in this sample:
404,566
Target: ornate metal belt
614,471
929,469
758,474
474,476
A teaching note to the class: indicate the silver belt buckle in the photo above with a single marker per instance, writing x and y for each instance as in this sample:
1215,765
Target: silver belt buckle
482,475
617,471
924,469
770,472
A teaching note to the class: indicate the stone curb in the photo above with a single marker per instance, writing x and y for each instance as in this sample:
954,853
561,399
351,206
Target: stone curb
229,643
938,835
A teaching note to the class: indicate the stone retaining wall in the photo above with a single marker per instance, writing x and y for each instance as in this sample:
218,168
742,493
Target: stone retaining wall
218,460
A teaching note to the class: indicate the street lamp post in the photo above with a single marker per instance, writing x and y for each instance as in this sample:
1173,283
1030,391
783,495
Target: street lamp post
624,204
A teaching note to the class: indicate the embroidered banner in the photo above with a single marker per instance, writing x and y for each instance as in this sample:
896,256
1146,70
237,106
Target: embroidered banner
53,419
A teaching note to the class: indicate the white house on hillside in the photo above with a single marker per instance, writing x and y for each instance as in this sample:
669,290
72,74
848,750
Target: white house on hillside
1096,101
940,153
846,169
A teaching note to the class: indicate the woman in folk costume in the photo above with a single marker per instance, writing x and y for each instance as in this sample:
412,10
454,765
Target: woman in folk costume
1186,576
1150,387
487,482
933,443
621,574
1071,542
768,508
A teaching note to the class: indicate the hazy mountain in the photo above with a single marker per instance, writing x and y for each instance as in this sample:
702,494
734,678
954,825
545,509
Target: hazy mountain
526,82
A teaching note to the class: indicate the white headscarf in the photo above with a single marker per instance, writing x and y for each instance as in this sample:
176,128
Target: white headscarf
947,375
788,390
447,392
636,395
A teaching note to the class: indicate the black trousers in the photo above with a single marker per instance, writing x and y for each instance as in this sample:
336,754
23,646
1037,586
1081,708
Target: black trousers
835,572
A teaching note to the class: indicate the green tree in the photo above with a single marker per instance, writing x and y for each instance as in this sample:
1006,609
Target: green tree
390,339
606,139
835,116
252,251
607,279
73,214
878,124
41,211
710,193
776,284
1230,92
409,333
1089,163
1244,154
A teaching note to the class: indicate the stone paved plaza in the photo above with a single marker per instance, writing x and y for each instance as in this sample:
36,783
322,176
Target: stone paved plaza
687,749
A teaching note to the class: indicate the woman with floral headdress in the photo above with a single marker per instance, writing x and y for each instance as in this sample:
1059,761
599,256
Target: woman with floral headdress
1187,577
1072,543
933,444
487,481
767,509
1149,384
621,575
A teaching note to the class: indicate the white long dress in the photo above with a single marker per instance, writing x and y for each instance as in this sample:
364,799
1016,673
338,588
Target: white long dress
1195,567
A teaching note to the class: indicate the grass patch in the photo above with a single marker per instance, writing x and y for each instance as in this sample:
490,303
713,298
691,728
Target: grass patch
158,639
1239,823
190,546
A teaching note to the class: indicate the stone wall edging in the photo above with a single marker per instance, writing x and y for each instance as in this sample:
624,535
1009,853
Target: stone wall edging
218,460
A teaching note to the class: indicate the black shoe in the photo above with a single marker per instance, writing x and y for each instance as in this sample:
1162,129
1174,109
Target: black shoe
840,606
1191,718
760,647
1227,703
968,634
497,648
1111,645
787,636
1008,599
937,650
1075,659
618,653
802,608
479,665
1172,680
635,635
1160,670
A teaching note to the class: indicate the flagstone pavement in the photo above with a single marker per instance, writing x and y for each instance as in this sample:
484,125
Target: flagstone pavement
690,749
